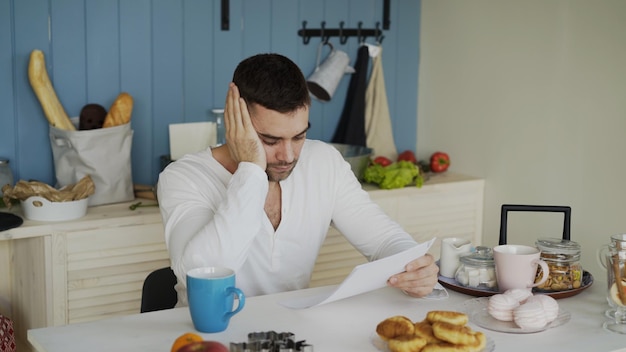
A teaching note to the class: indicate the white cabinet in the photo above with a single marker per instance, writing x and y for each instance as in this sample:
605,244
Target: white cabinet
448,205
94,267
82,270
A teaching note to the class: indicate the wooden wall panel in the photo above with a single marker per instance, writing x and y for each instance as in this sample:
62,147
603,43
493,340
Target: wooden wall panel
173,57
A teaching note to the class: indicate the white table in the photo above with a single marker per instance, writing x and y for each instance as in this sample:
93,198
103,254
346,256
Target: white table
345,325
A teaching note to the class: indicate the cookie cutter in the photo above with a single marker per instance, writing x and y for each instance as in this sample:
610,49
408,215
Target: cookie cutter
271,341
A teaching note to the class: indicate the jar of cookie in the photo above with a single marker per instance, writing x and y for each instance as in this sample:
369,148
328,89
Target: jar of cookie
563,259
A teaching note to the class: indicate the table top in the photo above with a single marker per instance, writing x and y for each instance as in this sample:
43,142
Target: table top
345,325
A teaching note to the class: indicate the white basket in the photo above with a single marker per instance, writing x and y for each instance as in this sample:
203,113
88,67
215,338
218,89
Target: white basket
40,209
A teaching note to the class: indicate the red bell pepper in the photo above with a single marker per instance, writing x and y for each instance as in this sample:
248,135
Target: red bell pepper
382,161
407,155
439,162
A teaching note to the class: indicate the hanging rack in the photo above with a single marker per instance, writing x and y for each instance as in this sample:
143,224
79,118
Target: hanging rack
345,33
342,33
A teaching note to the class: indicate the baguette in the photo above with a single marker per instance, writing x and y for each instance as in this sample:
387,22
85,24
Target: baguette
120,112
40,82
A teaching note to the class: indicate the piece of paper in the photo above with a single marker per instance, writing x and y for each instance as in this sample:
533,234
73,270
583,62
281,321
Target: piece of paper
364,278
191,137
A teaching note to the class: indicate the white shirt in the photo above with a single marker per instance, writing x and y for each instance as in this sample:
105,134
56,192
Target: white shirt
215,218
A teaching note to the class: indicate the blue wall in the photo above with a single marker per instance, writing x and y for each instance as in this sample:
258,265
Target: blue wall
174,59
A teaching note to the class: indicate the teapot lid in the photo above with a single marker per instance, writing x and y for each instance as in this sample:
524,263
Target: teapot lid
481,257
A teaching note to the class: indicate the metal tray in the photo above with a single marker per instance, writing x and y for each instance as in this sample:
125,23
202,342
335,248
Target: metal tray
452,284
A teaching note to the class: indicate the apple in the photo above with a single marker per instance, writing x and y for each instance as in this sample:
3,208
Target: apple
204,346
615,294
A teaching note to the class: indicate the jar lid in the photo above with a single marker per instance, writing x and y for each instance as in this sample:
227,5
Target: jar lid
482,257
558,245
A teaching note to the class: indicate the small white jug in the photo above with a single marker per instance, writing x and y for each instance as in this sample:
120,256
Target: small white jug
451,249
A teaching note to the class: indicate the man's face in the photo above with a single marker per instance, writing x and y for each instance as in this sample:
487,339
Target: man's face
282,136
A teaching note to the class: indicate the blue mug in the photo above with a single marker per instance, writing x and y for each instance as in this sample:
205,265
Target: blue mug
211,294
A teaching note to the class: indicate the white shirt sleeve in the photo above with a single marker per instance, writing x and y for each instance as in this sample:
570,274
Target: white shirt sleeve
208,219
363,222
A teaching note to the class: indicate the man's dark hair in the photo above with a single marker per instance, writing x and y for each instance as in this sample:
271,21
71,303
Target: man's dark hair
272,81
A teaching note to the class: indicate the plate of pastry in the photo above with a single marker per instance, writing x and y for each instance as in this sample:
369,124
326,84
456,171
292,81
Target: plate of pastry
531,318
438,330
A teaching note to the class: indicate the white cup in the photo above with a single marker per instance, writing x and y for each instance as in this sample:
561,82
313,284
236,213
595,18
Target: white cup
516,266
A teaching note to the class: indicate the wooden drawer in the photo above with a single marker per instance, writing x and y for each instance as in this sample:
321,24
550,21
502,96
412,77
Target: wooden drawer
105,269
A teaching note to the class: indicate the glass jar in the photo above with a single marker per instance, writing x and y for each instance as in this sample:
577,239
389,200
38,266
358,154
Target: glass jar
6,175
563,259
477,269
218,118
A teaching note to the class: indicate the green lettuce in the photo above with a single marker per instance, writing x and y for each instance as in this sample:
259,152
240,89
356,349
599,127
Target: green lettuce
396,175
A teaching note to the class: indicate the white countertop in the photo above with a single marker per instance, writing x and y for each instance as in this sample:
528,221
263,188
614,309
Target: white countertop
345,325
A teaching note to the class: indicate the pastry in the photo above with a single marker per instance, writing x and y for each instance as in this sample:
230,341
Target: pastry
395,326
456,318
456,334
501,306
530,315
120,112
424,330
406,343
91,117
550,306
520,294
40,82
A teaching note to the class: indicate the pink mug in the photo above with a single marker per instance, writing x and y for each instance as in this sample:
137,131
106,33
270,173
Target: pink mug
516,266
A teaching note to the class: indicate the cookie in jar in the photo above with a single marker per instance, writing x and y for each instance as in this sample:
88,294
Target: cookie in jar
563,259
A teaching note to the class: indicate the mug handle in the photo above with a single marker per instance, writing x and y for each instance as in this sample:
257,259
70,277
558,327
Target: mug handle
241,300
601,253
545,272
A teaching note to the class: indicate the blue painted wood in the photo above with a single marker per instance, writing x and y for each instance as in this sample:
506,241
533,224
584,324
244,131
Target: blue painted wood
69,54
136,79
8,125
197,60
174,59
103,51
405,60
33,155
167,31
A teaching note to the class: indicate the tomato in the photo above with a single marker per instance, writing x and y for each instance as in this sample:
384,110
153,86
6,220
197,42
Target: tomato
382,161
407,155
439,162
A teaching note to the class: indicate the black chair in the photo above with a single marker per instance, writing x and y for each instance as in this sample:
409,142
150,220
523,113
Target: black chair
158,291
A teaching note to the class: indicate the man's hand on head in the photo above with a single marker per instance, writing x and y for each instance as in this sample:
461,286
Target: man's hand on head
241,138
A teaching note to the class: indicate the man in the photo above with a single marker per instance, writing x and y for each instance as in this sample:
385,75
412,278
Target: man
261,204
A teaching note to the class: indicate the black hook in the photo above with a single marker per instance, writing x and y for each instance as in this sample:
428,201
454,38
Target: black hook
342,39
358,33
379,34
322,34
305,39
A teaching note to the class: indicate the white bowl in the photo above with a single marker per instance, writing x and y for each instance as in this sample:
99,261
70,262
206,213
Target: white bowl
40,209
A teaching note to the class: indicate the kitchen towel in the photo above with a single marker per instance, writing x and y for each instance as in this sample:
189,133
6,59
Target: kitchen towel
351,126
378,131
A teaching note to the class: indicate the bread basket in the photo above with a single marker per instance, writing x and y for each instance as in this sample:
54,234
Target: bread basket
40,209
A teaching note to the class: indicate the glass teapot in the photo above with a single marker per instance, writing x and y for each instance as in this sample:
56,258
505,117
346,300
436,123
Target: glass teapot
613,258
